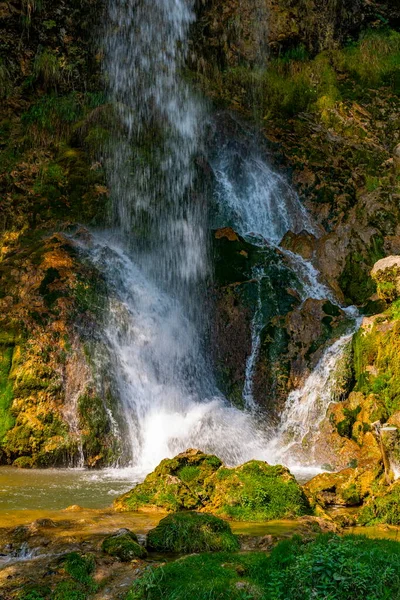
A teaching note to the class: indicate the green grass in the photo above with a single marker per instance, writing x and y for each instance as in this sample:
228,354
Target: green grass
295,83
6,391
329,568
191,532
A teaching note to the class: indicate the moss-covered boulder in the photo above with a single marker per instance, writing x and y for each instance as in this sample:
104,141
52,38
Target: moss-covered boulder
386,274
255,491
382,508
186,532
176,484
123,545
350,487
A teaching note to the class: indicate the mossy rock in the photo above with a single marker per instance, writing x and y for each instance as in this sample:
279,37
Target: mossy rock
256,491
123,545
349,487
24,462
383,508
386,274
186,532
176,484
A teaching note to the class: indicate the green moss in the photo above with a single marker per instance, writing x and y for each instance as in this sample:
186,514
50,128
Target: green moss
6,391
176,484
387,283
34,592
379,348
123,545
192,532
345,427
80,567
69,590
355,280
256,491
189,473
97,439
382,509
24,462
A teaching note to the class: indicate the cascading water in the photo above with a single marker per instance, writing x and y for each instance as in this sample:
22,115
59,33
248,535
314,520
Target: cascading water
306,407
261,207
169,396
154,258
151,171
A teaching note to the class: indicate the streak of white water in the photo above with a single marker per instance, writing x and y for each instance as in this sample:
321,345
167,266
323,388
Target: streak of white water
309,277
306,407
256,328
169,397
256,200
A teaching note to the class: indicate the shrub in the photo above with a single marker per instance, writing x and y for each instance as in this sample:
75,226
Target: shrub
191,532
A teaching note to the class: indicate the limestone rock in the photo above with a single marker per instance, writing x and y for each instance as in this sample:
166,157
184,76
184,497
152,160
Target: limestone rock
386,274
349,487
255,491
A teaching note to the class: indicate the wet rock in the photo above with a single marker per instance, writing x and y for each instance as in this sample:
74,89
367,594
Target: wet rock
382,507
301,243
255,491
176,484
349,487
124,545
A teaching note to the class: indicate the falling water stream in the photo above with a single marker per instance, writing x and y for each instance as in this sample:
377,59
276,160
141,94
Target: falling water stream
154,256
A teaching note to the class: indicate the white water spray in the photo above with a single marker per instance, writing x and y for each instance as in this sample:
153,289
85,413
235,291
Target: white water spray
170,400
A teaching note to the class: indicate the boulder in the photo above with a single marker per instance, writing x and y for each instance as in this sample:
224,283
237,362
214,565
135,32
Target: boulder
255,491
382,508
386,274
176,484
186,532
124,545
349,487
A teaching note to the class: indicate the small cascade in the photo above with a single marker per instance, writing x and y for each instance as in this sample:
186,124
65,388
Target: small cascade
309,277
255,200
306,407
262,208
256,329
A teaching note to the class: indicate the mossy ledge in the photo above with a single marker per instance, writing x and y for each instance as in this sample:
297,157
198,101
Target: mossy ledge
193,480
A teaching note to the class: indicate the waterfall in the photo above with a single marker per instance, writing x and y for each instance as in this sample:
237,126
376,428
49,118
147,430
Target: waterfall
154,256
165,386
158,133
